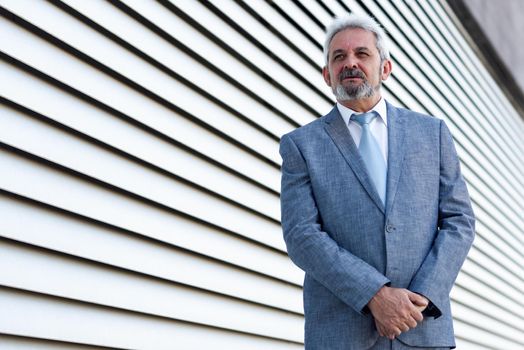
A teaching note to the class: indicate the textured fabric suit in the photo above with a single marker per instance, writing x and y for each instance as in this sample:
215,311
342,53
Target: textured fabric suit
349,244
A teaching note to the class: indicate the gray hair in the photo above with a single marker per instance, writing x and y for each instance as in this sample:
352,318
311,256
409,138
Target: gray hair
357,21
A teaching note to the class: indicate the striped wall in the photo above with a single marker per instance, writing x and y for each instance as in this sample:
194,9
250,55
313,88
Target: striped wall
139,168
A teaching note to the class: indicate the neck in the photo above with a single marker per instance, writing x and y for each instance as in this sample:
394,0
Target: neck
362,105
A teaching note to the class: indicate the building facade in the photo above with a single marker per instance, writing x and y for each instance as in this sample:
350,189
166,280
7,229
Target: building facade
139,168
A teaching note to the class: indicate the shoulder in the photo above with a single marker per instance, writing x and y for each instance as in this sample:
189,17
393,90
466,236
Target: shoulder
309,130
414,118
408,113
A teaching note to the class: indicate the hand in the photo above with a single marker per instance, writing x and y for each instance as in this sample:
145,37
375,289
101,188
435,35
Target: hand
420,303
396,310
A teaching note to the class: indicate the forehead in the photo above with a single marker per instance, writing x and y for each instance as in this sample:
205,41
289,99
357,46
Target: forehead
351,38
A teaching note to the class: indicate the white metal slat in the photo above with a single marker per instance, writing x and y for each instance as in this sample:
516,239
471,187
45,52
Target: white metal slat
63,233
472,301
52,318
494,337
177,28
301,19
20,343
487,263
476,269
488,291
475,65
43,94
478,339
251,53
22,176
277,48
502,238
490,248
99,164
44,272
483,116
47,142
72,112
263,9
133,32
314,8
485,198
140,108
115,57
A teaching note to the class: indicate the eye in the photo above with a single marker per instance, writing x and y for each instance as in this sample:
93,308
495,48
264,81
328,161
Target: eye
338,56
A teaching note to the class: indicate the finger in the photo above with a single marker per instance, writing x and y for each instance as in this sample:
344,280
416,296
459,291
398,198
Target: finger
405,327
393,336
417,315
420,308
393,332
411,323
418,299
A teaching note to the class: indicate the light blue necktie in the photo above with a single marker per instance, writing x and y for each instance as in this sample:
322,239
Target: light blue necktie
371,154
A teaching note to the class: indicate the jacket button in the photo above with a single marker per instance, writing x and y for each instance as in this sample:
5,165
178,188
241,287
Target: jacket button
390,228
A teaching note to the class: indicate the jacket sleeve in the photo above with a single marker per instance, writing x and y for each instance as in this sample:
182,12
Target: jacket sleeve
456,224
349,278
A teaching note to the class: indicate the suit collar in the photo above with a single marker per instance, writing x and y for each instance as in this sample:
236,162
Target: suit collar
396,131
339,133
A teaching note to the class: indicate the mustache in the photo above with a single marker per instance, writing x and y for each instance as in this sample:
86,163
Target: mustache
351,73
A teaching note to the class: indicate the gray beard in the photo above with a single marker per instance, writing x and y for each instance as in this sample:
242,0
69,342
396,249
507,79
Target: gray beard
351,93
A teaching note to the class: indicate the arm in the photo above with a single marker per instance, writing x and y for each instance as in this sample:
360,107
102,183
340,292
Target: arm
351,279
456,223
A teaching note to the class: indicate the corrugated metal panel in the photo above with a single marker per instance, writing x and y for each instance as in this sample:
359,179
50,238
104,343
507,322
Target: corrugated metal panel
140,168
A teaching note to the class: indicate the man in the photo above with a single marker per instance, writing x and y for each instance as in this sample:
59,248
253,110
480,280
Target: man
374,208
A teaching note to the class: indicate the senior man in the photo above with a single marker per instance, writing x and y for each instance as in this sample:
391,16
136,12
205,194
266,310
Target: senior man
374,208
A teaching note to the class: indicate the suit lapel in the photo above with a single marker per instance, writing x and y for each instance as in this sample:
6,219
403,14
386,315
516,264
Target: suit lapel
396,128
339,133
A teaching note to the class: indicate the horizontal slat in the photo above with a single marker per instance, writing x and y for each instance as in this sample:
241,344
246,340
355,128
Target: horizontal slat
472,299
490,337
138,107
29,313
269,64
265,10
23,177
303,21
254,269
122,25
10,342
177,28
47,141
75,279
149,150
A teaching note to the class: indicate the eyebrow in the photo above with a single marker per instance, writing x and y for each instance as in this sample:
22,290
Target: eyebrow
338,51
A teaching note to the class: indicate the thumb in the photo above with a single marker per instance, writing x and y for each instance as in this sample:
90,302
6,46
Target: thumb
418,299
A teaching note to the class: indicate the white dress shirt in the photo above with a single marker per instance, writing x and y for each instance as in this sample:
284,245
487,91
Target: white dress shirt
378,126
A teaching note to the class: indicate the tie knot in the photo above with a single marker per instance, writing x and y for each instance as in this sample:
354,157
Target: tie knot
364,118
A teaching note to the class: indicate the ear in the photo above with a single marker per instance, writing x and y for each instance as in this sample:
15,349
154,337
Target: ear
325,74
386,69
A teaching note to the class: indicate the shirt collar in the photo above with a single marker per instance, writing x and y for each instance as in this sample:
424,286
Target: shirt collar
380,108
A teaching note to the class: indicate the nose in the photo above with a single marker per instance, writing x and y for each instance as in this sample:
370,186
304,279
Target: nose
350,62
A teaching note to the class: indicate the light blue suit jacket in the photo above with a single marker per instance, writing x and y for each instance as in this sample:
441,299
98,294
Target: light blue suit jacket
338,231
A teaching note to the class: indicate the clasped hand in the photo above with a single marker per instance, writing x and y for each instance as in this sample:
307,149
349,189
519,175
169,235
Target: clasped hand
396,310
